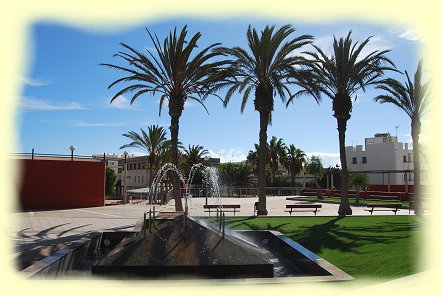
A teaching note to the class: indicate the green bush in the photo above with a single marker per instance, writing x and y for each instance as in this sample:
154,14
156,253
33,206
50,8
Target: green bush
110,182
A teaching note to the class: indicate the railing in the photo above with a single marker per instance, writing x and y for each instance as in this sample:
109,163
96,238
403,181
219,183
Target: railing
50,155
231,191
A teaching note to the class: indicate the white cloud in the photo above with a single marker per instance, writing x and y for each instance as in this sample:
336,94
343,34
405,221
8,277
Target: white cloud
377,42
405,33
188,104
34,82
30,103
80,123
121,102
229,155
328,158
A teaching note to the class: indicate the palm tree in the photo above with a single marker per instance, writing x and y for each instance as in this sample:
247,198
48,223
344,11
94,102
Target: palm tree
265,71
194,154
412,97
340,77
276,150
294,161
314,167
153,143
253,159
358,182
173,73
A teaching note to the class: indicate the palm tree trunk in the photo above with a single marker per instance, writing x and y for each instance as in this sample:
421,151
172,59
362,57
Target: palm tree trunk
344,207
151,170
416,159
174,127
262,156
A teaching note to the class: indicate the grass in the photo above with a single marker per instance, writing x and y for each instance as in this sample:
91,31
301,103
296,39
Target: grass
371,247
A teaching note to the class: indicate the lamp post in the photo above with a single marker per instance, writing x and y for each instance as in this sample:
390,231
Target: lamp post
125,178
72,148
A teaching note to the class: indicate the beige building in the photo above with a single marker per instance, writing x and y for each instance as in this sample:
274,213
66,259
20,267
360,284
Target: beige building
382,153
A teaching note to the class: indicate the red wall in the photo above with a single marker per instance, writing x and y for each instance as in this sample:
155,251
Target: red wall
61,184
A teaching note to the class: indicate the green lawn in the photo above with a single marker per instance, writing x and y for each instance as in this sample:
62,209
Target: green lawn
371,247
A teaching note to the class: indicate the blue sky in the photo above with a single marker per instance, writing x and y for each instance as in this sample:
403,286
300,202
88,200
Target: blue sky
65,100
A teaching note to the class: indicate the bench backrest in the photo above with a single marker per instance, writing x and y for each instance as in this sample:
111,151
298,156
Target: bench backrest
384,205
222,206
303,206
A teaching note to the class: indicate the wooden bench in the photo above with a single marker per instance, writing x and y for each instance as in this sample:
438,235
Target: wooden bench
390,207
303,207
222,208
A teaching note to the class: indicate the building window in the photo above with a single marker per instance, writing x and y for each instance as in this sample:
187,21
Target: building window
354,160
404,158
364,159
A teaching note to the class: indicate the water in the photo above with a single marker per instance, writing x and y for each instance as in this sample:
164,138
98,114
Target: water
211,181
158,178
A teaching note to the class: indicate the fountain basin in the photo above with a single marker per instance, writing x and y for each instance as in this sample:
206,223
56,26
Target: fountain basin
169,252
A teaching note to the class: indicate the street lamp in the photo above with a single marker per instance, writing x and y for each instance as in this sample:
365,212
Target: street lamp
72,148
125,177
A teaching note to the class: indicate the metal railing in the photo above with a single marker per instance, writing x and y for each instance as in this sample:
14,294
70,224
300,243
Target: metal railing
233,191
33,155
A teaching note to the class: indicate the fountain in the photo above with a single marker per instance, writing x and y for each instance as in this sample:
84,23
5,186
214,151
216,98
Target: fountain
195,248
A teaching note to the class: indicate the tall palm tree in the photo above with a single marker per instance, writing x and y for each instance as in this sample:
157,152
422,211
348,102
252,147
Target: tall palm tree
295,161
276,150
340,77
153,143
265,71
413,98
176,72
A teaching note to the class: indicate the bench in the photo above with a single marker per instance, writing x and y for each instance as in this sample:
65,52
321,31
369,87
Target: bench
390,207
222,208
303,207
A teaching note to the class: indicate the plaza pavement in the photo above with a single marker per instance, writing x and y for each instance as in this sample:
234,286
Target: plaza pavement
38,234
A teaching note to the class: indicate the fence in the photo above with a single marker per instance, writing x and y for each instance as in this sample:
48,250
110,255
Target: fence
33,155
233,191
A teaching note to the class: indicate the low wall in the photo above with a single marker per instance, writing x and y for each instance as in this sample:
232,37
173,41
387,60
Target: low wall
393,188
61,184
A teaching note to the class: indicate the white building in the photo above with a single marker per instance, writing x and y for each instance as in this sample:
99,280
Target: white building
383,155
111,160
137,172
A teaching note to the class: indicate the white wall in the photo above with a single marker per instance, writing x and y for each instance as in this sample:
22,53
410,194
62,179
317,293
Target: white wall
381,155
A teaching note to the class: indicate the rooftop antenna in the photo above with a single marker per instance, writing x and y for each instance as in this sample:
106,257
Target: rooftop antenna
396,131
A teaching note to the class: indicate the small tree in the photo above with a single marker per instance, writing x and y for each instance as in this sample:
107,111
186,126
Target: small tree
315,168
110,181
235,174
358,181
